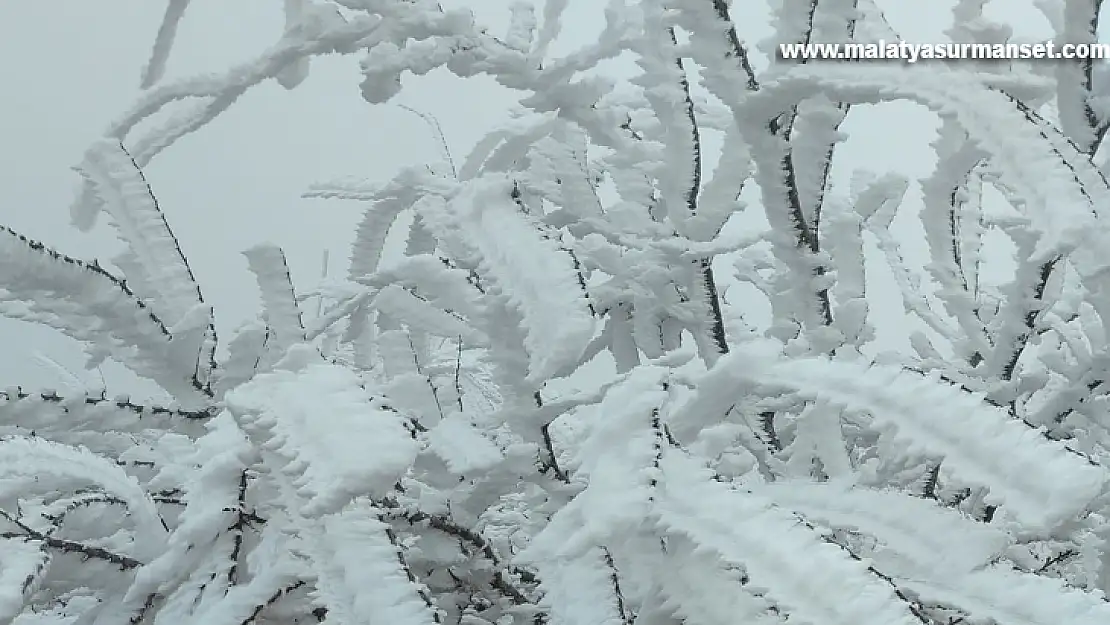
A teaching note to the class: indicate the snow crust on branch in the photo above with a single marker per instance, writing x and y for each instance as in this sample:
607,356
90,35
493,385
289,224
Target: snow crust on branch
563,399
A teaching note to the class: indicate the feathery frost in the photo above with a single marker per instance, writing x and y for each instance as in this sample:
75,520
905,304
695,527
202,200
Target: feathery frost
633,362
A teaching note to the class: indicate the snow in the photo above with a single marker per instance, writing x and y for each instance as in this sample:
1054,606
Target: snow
279,305
156,66
1023,150
90,305
364,572
581,591
139,221
816,581
337,440
692,575
419,313
539,278
390,459
439,283
1012,596
935,542
619,461
978,442
462,445
46,466
21,562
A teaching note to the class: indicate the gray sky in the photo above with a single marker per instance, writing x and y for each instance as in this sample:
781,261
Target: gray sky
70,66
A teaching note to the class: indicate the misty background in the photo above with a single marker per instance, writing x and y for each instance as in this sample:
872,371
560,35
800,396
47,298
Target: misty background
69,67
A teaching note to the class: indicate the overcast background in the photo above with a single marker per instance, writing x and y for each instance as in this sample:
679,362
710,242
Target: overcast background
68,67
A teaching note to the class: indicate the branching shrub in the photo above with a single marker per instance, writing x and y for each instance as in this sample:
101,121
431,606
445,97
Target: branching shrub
411,453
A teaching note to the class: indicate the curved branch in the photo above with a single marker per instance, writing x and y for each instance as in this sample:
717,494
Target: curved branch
91,305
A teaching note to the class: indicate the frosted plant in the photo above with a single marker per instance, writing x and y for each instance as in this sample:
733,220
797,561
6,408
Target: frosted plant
412,453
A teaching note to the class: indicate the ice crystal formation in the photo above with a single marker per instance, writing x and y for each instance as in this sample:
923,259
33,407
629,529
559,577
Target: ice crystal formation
410,453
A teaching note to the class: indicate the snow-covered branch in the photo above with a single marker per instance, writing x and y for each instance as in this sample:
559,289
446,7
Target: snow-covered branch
561,400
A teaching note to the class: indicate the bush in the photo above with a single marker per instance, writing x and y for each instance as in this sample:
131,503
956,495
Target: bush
411,453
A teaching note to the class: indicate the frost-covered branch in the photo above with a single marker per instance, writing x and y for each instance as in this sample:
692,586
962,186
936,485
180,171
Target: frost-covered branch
44,286
601,380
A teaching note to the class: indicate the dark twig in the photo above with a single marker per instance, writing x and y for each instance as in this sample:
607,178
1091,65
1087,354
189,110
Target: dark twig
66,546
501,581
274,598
